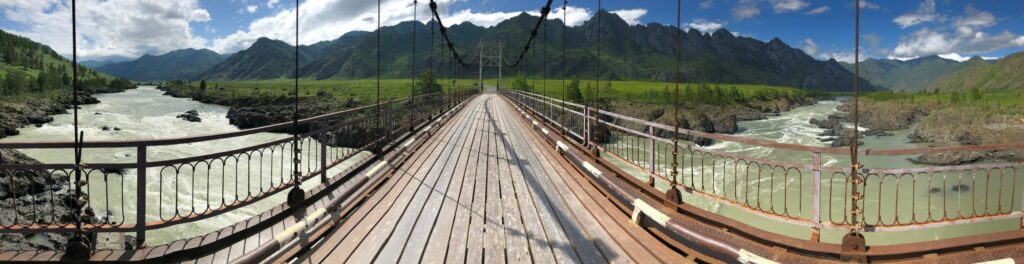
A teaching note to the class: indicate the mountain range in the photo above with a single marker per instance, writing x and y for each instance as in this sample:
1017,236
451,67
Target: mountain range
1005,74
913,75
178,64
628,52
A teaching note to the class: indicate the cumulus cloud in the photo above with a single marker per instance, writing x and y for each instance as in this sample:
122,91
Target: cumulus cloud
844,56
272,3
706,4
745,11
327,19
872,39
810,47
251,8
864,4
631,16
972,20
817,11
964,36
954,56
924,13
705,26
785,6
110,29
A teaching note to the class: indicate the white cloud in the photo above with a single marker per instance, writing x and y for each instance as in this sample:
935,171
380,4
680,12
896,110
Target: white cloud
328,19
972,20
963,36
251,8
706,4
817,11
705,26
272,3
844,56
785,6
872,40
810,47
110,29
924,13
954,56
631,16
745,11
864,4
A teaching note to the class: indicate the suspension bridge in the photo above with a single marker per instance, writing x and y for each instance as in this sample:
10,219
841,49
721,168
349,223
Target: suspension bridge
483,174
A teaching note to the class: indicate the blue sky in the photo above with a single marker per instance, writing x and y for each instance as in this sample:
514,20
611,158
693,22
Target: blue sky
123,29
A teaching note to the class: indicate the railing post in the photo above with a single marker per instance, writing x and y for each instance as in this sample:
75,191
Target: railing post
816,198
650,151
140,196
323,155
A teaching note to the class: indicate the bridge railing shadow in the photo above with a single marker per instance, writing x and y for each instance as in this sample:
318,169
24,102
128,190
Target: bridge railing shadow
164,198
798,184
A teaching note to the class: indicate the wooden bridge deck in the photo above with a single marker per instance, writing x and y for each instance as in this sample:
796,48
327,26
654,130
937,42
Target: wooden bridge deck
487,188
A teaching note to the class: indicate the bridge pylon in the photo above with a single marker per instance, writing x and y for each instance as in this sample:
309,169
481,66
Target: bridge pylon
490,57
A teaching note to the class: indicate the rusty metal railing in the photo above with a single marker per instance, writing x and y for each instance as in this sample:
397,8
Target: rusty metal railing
147,195
803,190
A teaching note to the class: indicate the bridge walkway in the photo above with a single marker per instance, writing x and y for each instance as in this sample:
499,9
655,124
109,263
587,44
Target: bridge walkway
487,188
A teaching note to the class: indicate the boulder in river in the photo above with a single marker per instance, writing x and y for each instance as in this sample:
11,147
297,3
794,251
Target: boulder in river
191,116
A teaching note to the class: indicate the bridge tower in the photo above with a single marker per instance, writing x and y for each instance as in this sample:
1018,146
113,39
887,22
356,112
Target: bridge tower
490,56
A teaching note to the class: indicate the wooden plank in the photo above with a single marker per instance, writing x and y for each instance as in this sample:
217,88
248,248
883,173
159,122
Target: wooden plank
339,238
494,232
576,218
380,224
422,210
540,248
561,245
517,246
436,245
459,237
477,215
637,244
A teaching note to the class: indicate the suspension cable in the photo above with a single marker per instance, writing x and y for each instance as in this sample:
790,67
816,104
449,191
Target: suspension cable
533,34
415,27
565,28
597,86
444,34
675,96
79,135
296,195
855,165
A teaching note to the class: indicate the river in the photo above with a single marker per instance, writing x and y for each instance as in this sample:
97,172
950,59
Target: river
140,114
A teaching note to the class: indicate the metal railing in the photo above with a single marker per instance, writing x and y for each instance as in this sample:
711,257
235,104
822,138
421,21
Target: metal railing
146,195
800,189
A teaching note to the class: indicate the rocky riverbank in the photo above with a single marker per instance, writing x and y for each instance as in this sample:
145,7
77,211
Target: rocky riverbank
944,125
708,118
256,111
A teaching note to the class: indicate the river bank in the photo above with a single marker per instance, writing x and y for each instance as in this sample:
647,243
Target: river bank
710,118
36,188
944,124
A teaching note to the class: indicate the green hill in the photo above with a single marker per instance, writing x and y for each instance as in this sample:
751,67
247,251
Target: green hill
911,75
178,64
1004,74
641,52
27,67
265,59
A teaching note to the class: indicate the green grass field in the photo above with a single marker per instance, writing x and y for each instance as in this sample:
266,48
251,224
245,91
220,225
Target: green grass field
648,92
993,102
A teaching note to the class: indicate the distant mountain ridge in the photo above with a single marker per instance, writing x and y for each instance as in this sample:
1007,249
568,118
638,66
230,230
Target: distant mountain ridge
913,75
1004,74
178,64
629,52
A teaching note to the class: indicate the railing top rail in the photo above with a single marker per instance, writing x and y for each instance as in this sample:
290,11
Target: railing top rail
790,146
190,139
